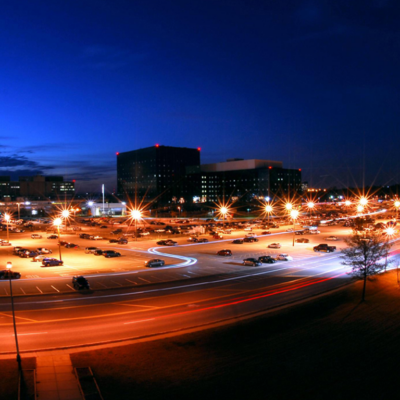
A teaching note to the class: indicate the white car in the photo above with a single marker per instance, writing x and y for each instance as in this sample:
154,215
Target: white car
144,233
97,238
284,257
43,250
331,238
36,236
314,231
274,246
248,229
251,235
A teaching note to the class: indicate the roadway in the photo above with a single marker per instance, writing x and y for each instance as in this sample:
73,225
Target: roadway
196,289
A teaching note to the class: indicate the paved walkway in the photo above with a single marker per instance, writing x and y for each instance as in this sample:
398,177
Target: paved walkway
55,378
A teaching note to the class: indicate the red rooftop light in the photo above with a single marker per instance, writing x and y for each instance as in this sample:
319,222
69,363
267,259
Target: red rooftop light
199,148
117,153
270,167
299,169
157,145
73,180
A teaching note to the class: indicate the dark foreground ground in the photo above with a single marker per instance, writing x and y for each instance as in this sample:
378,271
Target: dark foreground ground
331,348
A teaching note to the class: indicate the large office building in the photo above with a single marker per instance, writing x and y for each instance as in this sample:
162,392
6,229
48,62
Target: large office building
36,187
244,180
156,173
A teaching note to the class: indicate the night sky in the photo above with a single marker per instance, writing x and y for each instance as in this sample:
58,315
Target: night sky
314,84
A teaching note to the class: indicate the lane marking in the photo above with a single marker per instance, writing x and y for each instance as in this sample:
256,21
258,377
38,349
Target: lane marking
70,287
144,280
39,290
22,290
55,288
116,283
135,283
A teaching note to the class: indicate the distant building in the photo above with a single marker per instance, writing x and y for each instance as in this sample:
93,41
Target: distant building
243,180
156,173
36,187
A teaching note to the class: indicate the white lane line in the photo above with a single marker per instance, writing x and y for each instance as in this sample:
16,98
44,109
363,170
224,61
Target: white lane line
116,283
144,280
39,290
101,284
186,276
136,322
22,290
135,283
70,287
55,288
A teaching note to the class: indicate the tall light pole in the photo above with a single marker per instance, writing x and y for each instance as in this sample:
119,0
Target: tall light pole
310,206
9,266
65,215
57,222
294,214
397,205
268,210
135,215
223,211
7,218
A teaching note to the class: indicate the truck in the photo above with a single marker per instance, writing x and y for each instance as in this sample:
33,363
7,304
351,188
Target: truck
325,247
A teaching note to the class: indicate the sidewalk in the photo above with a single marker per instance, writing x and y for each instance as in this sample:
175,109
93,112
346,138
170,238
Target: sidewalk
55,377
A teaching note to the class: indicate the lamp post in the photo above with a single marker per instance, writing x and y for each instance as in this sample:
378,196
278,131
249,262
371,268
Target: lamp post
223,211
9,266
294,214
65,215
310,206
268,210
57,223
7,218
397,205
135,215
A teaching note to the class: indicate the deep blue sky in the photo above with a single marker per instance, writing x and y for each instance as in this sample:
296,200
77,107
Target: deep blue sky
314,84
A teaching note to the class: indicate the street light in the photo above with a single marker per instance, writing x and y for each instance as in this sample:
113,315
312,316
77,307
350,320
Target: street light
9,266
268,210
294,214
223,211
360,208
7,218
363,201
135,215
397,205
57,222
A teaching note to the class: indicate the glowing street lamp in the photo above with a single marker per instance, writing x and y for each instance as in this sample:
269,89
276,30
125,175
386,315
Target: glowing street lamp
310,206
268,210
397,205
223,211
294,215
360,208
9,266
363,201
7,218
57,222
288,206
136,214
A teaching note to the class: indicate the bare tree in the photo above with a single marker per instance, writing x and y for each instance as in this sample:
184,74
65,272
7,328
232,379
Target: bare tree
366,254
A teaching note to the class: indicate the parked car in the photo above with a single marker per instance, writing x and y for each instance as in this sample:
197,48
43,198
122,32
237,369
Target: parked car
250,235
167,243
98,252
52,237
218,236
71,246
252,261
250,239
284,257
28,254
17,249
299,233
51,262
224,253
7,274
238,241
266,259
302,240
111,253
90,250
97,237
202,240
274,246
39,257
5,243
193,239
43,250
36,236
154,263
331,238
80,282
265,233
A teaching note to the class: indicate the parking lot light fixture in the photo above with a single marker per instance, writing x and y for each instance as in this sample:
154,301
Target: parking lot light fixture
136,215
294,214
9,266
397,205
268,210
57,222
7,218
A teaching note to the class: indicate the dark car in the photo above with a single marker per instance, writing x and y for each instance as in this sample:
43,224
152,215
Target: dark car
103,227
111,253
302,240
71,246
52,237
6,274
299,233
266,259
252,261
224,253
17,249
154,263
250,239
238,241
265,233
116,231
98,252
80,282
28,254
166,243
202,240
51,262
